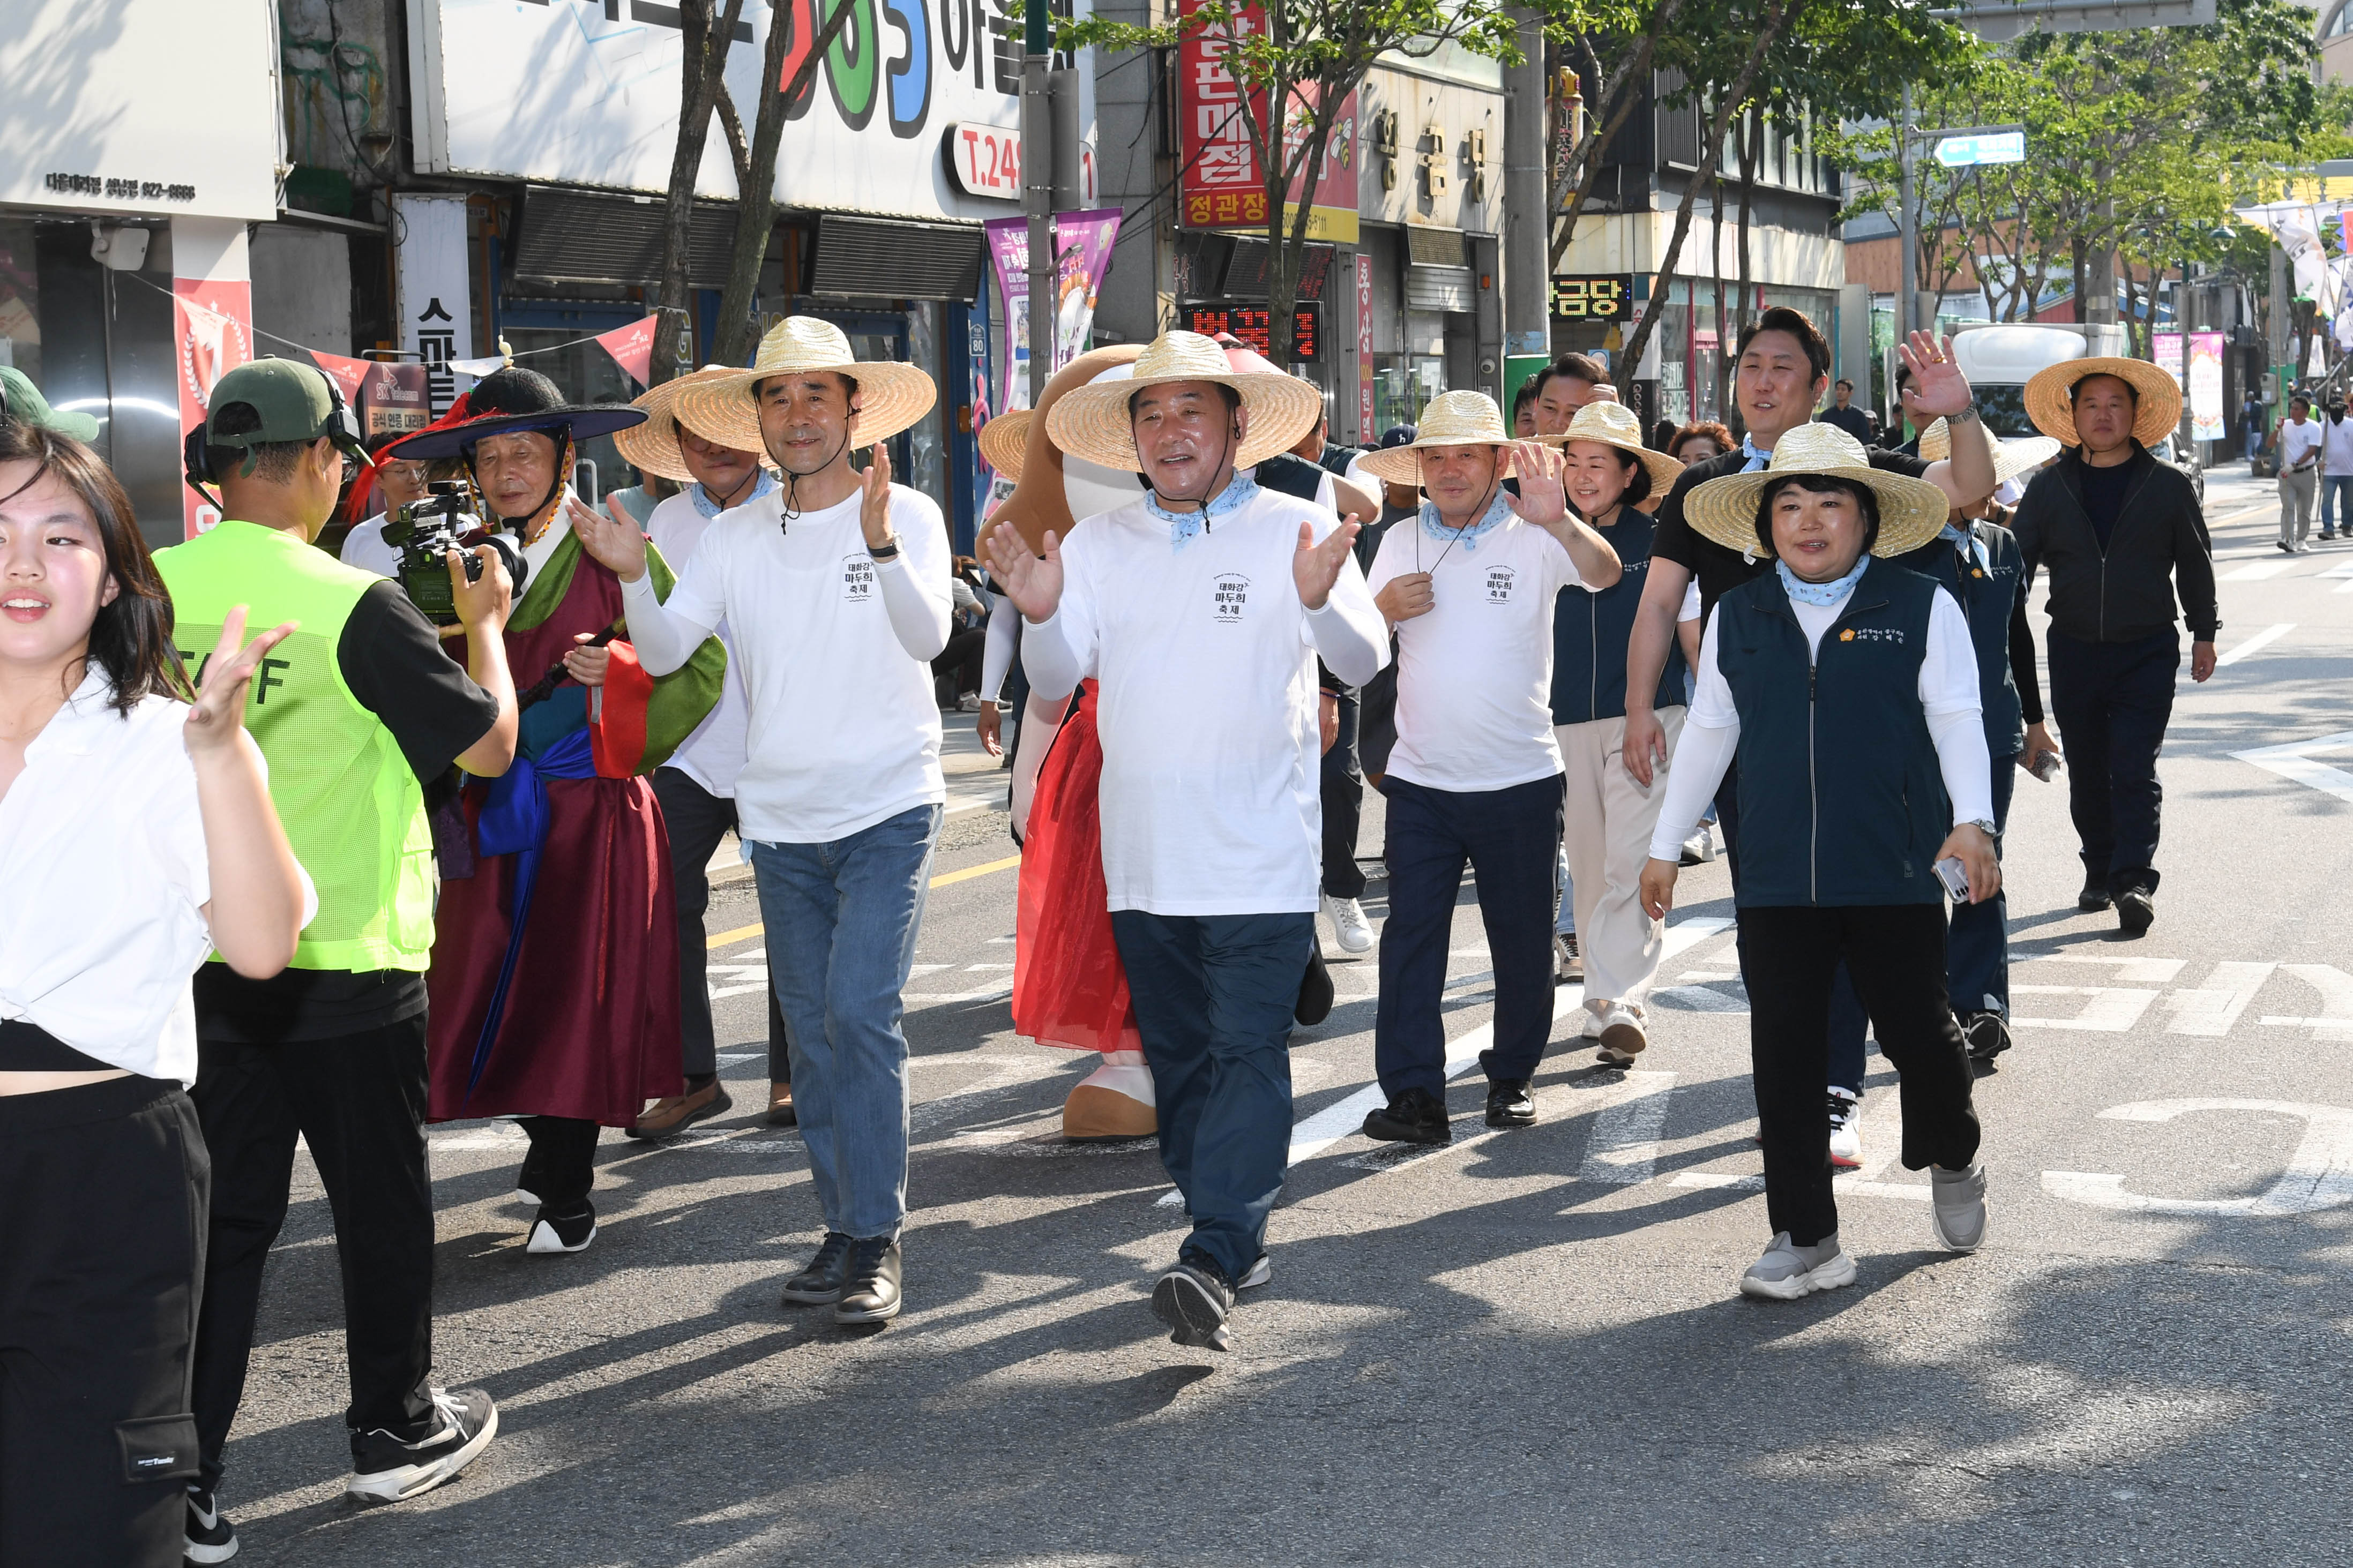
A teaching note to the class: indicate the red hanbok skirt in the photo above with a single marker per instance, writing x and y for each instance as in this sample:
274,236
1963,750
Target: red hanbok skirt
1068,988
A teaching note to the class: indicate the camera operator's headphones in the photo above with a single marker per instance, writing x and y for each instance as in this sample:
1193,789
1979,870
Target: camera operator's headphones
284,393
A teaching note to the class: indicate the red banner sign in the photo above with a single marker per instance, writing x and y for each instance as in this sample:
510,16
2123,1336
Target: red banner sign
1224,182
346,374
213,327
1365,434
632,348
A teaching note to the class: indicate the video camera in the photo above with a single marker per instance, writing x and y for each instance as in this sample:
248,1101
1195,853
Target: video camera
425,532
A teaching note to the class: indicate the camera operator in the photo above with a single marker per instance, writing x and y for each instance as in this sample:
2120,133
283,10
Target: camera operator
353,711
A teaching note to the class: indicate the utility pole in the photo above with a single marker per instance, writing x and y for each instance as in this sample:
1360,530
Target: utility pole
1528,226
1907,308
1038,188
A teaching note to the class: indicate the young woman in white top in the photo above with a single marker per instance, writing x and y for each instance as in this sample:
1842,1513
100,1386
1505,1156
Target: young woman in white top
136,835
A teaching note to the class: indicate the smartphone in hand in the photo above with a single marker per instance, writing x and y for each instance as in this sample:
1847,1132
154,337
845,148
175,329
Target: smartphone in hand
1955,877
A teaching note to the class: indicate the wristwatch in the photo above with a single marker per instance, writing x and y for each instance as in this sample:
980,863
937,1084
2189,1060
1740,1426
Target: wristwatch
1982,825
886,551
1969,411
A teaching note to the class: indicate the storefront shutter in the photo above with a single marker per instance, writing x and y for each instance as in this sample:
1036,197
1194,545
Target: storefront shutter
897,260
593,237
1439,289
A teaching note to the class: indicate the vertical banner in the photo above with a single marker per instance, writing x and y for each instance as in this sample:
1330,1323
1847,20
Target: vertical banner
1221,183
433,286
1365,434
1009,250
1082,246
212,327
2206,386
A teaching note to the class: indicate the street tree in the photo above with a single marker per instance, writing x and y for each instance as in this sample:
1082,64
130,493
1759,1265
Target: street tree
702,63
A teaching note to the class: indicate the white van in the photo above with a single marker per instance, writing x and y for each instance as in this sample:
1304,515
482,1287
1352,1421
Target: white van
1998,360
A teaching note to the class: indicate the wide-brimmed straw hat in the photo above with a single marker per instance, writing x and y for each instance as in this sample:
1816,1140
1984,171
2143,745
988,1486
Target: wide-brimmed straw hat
1449,419
1910,511
1092,422
1004,440
506,401
652,447
2050,398
2010,458
890,396
1615,424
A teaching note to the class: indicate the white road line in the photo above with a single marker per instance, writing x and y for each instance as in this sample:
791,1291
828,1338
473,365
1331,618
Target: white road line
1624,1149
1697,999
1328,1126
2255,643
2257,570
2319,1173
2336,988
2211,1009
2108,1010
2342,569
2294,761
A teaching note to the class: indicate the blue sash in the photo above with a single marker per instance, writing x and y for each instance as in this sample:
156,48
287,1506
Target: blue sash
514,821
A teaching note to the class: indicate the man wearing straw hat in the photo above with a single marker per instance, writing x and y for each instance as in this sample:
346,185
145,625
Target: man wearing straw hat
1474,778
1848,689
835,585
697,786
1211,598
2121,534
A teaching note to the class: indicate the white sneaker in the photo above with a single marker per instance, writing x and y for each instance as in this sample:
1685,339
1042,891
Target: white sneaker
1348,923
1621,1036
1699,848
1787,1272
1567,963
1846,1130
1591,1028
1260,1273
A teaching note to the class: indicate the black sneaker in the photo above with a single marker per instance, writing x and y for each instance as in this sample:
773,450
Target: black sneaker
2094,895
1417,1116
211,1537
1985,1033
572,1232
1193,1300
819,1284
2135,912
1509,1103
870,1284
386,1469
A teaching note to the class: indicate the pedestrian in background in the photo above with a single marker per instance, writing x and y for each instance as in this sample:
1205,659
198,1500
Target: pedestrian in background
836,586
2335,470
696,786
1470,589
1608,815
1699,441
2299,441
2122,536
363,711
1844,414
137,835
1565,386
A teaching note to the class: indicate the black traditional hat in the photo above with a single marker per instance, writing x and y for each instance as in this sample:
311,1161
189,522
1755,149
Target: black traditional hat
507,400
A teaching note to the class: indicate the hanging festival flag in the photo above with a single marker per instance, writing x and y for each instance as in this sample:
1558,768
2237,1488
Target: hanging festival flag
346,374
1082,247
632,348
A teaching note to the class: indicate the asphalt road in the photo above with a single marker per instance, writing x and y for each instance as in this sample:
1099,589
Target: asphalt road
1527,1348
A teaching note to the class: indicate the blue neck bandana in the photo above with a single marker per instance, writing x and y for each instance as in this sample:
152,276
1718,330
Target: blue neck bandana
1433,527
1829,592
709,508
1969,544
1184,527
1756,460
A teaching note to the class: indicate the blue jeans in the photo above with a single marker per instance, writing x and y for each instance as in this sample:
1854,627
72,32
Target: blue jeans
1977,957
1566,924
841,920
2331,486
1502,835
1214,995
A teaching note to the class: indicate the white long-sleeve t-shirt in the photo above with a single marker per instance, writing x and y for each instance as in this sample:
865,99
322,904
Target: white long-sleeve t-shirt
835,651
1207,709
1949,695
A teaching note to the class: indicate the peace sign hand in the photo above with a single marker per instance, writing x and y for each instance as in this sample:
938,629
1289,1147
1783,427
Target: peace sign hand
217,716
1315,567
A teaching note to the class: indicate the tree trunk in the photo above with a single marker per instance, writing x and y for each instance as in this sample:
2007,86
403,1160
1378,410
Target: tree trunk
1721,321
1768,32
701,63
755,212
1575,186
1752,138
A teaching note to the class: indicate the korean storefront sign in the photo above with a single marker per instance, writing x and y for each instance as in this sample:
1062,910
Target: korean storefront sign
1223,185
433,289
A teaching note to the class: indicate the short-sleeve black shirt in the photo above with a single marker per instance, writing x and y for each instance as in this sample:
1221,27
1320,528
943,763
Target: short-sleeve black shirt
1718,569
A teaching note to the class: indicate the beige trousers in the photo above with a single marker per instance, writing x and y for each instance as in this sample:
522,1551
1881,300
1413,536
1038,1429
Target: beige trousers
1606,823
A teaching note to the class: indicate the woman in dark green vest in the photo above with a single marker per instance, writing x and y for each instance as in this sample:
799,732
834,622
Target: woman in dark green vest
1847,687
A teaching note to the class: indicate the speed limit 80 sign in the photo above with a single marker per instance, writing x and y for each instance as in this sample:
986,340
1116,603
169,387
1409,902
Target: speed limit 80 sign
1605,296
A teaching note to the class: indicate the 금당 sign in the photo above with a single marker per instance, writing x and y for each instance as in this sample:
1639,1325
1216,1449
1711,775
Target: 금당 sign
1994,147
1606,297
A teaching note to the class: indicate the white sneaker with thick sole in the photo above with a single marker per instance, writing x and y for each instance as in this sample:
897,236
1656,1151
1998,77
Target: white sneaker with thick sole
1621,1036
1787,1272
1846,1130
384,1469
1349,926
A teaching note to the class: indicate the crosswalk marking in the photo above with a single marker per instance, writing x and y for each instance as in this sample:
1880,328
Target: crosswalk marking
2255,643
2211,1009
1624,1148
